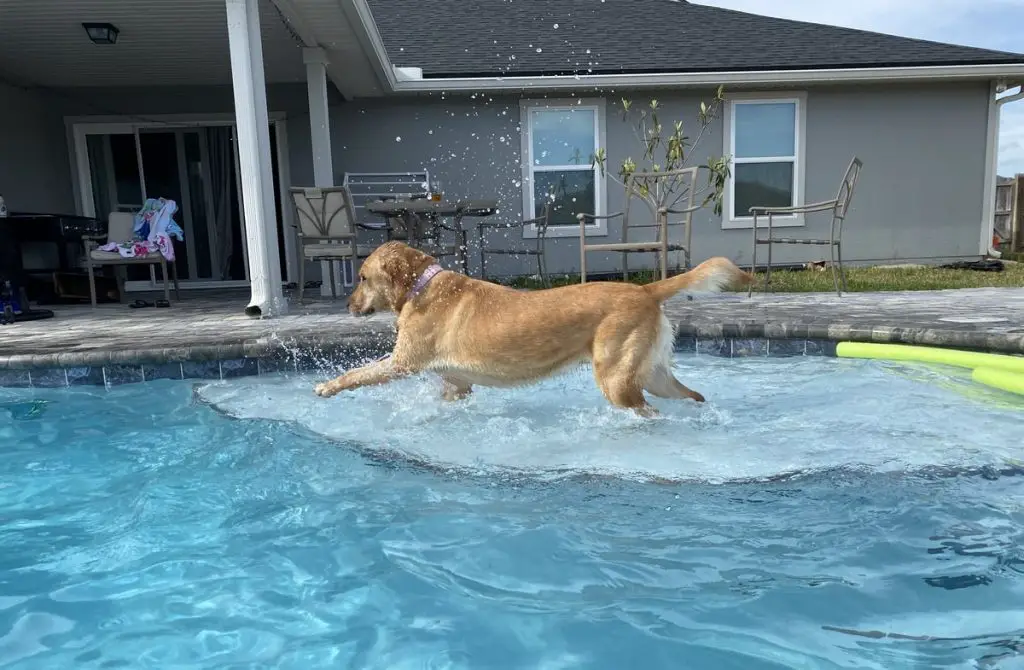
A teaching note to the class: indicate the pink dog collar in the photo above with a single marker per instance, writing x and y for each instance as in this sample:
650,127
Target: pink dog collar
423,280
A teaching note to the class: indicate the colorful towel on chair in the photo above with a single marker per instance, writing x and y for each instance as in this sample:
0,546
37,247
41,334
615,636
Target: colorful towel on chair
154,227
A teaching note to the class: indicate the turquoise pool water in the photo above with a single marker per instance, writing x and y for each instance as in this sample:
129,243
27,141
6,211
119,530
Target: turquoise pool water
247,524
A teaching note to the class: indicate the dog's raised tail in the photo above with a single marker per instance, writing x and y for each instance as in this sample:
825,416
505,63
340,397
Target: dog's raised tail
711,276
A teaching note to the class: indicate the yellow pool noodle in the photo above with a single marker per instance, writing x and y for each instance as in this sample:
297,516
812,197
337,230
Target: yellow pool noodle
918,354
1000,379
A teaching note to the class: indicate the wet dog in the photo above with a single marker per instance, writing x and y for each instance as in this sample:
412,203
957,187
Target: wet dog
471,332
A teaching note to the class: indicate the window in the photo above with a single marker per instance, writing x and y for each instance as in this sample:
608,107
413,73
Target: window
559,142
765,141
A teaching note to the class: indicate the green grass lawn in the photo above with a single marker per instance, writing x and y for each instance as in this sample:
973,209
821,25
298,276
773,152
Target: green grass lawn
858,279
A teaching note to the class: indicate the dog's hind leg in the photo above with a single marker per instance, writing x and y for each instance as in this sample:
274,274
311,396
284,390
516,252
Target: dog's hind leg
624,393
660,381
617,358
455,389
663,384
621,388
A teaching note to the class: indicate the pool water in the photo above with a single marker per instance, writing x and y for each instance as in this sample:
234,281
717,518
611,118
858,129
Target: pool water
248,524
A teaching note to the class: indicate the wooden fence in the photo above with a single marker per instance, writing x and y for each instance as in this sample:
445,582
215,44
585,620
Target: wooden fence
1009,219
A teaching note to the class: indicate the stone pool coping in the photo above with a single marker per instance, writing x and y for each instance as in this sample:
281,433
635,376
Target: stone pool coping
210,339
219,362
376,339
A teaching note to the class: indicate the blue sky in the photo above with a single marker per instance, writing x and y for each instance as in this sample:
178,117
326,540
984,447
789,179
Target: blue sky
990,24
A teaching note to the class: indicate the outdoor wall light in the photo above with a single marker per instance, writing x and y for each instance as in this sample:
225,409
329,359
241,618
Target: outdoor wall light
101,33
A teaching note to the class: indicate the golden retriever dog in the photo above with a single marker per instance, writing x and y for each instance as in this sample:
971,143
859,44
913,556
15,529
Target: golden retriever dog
472,332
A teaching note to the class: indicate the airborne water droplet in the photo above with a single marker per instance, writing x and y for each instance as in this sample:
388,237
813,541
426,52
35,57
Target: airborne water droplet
539,50
398,139
556,26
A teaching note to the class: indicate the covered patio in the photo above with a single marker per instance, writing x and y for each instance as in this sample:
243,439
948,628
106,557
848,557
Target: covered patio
107,103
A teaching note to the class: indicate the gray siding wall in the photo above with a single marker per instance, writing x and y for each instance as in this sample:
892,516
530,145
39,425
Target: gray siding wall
35,174
920,195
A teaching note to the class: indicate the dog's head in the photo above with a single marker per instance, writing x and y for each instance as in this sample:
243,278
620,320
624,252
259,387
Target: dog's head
386,277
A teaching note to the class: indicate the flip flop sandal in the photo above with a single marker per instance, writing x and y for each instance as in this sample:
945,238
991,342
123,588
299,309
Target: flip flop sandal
139,304
162,303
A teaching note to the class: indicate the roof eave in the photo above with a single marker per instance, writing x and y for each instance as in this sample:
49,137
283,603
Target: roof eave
1011,71
397,84
373,43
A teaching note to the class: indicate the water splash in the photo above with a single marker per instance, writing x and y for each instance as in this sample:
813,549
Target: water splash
766,419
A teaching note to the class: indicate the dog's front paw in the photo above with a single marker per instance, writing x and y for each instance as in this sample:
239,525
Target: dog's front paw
325,390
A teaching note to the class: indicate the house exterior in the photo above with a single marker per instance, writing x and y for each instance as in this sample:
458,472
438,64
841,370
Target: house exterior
299,92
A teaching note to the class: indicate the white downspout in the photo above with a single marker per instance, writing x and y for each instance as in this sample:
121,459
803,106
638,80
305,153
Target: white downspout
253,123
992,169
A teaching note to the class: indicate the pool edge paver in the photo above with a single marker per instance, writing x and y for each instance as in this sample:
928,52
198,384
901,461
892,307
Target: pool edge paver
324,335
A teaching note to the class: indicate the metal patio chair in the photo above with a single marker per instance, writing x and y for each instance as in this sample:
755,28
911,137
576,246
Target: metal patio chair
327,229
638,185
839,206
541,223
368,188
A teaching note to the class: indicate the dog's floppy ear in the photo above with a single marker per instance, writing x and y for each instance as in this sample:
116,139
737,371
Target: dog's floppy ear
403,264
396,266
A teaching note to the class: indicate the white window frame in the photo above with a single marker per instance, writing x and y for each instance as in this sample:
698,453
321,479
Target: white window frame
596,229
799,99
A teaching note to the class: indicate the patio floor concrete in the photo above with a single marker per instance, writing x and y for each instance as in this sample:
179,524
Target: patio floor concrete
206,326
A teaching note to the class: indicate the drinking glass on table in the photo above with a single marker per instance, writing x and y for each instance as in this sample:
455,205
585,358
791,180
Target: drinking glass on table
436,191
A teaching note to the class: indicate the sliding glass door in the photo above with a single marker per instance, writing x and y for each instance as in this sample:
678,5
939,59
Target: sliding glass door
194,165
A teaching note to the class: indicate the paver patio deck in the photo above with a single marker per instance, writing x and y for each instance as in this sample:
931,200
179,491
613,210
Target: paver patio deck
214,328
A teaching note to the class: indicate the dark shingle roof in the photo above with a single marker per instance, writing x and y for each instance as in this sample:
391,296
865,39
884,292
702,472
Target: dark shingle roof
518,37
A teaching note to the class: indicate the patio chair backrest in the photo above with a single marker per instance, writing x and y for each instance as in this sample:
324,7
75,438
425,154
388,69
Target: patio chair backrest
120,226
324,212
670,179
846,188
367,187
674,180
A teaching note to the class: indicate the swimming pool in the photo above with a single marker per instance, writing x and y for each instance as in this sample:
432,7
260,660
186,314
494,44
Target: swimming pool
246,523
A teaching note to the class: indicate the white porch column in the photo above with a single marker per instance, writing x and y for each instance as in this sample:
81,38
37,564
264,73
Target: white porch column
253,134
315,59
